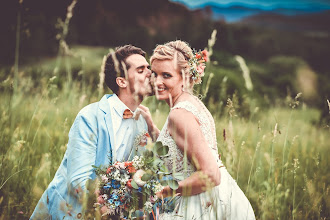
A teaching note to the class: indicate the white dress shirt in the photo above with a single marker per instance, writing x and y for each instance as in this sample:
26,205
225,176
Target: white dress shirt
124,130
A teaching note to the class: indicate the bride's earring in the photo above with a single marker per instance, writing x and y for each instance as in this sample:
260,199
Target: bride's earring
182,88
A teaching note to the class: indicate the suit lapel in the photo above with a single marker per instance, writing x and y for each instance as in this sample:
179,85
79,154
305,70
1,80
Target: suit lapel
104,106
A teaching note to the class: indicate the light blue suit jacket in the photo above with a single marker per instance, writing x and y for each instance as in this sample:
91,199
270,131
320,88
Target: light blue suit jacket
90,143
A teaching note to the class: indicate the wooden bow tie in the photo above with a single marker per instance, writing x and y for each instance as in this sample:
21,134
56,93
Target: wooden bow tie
127,114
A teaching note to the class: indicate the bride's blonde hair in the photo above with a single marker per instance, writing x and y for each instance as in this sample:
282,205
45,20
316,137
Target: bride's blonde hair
180,52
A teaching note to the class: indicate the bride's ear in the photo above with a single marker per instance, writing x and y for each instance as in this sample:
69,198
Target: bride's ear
121,82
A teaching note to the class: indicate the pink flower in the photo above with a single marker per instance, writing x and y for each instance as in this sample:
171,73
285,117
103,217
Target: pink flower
205,55
143,141
104,178
200,69
100,200
153,199
104,210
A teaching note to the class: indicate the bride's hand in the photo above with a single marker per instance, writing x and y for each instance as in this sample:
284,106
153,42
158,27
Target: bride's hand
166,192
144,111
152,129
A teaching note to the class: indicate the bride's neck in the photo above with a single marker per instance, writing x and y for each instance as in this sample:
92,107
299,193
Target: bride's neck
173,102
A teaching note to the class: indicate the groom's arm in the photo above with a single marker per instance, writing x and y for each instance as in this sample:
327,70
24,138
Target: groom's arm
81,156
82,151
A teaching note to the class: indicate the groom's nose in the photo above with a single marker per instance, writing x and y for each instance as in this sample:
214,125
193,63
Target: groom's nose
148,73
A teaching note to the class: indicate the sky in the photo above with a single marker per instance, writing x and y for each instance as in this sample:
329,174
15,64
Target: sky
253,7
263,4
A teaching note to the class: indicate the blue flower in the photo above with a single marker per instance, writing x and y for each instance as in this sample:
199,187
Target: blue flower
117,203
110,201
165,178
114,196
115,184
140,189
106,187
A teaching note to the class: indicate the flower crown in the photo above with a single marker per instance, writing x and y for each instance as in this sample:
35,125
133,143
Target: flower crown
197,65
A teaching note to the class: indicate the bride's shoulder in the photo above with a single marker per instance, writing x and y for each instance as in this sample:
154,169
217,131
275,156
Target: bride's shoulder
182,113
180,119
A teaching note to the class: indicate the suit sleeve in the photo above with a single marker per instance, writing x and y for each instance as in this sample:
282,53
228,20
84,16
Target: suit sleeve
81,151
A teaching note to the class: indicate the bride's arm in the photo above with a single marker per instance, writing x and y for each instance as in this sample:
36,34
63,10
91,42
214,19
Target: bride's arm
152,128
185,130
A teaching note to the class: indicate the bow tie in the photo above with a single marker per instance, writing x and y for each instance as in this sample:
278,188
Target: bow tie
127,114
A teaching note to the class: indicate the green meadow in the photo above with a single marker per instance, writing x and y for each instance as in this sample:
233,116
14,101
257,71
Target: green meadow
276,150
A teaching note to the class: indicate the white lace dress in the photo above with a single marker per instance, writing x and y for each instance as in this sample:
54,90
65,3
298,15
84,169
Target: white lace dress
225,201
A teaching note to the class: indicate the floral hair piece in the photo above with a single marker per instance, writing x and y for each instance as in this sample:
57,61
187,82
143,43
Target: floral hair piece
197,65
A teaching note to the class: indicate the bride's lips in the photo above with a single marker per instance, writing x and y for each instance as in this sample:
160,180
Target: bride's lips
159,90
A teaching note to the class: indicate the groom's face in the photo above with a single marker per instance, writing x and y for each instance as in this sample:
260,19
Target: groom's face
138,75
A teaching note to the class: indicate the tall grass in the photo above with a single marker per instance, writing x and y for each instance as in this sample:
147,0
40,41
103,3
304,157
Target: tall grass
277,154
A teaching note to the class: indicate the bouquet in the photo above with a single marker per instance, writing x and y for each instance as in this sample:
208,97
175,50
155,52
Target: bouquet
128,189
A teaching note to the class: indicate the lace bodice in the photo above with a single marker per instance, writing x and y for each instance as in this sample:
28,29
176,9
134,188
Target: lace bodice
175,160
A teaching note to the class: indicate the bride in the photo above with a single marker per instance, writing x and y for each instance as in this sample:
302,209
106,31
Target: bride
207,190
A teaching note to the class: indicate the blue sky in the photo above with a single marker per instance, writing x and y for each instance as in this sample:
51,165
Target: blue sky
284,7
264,4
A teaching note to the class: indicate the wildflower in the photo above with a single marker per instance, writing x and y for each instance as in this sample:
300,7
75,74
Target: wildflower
137,177
148,205
104,210
100,200
138,162
127,164
104,178
129,185
131,169
205,55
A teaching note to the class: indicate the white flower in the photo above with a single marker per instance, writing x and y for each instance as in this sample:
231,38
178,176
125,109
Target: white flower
122,165
138,162
158,187
124,179
137,177
116,175
105,196
148,206
104,178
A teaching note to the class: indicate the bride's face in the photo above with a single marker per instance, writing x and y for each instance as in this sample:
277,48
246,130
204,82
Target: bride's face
167,80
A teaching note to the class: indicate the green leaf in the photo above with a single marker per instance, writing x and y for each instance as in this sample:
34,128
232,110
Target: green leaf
134,185
161,149
173,184
163,183
146,177
148,154
158,162
178,176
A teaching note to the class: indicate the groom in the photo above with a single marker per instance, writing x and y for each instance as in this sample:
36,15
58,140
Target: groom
101,131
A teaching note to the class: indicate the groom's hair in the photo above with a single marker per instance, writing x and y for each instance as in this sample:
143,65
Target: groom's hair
116,65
